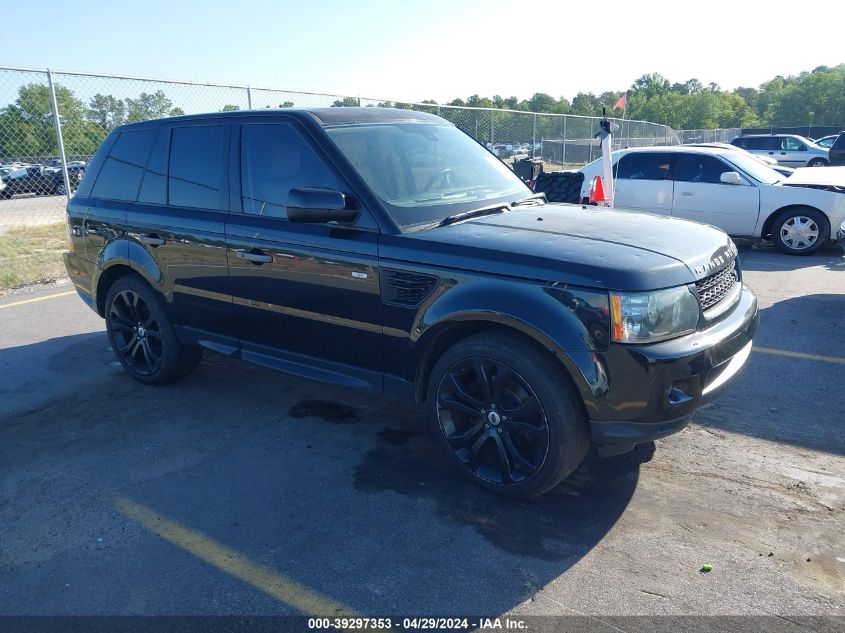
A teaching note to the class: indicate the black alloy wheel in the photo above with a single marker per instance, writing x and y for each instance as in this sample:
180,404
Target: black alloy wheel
136,332
492,420
507,413
141,335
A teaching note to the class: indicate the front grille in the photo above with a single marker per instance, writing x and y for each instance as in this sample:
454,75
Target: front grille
712,289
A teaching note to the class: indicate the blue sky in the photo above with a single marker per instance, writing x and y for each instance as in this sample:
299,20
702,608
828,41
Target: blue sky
408,50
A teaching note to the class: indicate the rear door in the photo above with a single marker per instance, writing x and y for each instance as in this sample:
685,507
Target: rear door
643,182
304,294
177,224
699,194
793,152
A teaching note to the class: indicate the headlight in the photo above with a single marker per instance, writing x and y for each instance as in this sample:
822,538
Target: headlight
646,317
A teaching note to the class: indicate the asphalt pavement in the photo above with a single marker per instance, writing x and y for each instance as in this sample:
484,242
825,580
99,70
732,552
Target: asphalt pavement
243,491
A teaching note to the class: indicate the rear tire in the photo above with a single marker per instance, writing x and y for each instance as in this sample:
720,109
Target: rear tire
506,414
817,162
800,231
142,336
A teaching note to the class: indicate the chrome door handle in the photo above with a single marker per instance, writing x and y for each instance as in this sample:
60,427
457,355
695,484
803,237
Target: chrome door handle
254,257
687,193
152,240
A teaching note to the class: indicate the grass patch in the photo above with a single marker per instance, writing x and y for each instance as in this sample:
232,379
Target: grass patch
32,254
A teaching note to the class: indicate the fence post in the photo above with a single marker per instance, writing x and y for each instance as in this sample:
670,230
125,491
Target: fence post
438,109
534,136
59,141
492,127
248,98
563,152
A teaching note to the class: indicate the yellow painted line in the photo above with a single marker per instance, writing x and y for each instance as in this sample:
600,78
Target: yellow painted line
805,356
25,301
234,563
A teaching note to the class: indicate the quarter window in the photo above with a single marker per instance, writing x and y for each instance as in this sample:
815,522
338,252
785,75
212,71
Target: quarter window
644,166
121,174
154,184
275,159
197,167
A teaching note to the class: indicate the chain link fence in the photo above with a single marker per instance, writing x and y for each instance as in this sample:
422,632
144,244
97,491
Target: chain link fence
86,107
724,135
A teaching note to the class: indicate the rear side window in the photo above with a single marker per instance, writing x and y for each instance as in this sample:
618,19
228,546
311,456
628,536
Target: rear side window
120,177
275,159
196,177
154,184
740,142
699,168
839,143
644,166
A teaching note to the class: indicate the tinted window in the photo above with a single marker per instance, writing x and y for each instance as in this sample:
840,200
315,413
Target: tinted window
740,142
644,166
197,167
699,168
839,143
153,186
121,174
793,144
769,143
275,159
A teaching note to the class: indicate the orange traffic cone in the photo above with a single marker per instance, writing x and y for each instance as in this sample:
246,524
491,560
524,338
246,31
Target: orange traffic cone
597,191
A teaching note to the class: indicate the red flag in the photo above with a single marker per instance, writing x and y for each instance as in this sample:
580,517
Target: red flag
623,100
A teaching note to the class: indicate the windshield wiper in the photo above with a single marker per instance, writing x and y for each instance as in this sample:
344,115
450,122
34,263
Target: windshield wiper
532,199
458,217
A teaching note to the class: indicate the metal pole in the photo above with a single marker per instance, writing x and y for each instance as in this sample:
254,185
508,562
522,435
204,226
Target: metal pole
438,109
58,125
248,98
563,153
492,128
534,136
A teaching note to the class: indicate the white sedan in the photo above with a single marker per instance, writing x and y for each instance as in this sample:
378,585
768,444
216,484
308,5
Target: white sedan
729,190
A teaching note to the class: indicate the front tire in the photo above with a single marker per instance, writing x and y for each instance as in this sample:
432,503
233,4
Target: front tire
800,231
142,336
506,414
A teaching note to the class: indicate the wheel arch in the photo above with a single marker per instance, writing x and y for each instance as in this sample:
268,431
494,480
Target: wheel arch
123,258
583,370
766,231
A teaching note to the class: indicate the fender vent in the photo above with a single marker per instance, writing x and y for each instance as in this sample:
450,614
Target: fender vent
405,289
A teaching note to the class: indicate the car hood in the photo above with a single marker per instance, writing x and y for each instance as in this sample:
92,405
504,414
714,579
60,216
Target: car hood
815,176
584,246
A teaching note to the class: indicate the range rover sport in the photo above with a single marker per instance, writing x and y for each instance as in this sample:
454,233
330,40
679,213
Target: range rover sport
386,250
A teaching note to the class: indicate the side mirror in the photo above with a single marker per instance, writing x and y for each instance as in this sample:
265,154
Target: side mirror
314,206
731,178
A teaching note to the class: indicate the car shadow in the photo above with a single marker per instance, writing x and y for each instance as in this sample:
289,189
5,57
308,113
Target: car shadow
766,258
344,494
785,398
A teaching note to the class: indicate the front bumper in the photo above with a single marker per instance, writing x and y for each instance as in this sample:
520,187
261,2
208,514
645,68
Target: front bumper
654,390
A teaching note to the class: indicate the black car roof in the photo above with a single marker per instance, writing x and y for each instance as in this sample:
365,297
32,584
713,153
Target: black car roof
322,116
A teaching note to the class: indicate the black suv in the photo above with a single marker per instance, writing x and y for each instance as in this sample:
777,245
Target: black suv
837,150
386,250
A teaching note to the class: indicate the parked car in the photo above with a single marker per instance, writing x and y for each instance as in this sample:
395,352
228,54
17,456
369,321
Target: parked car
837,151
826,141
727,189
768,161
530,330
40,181
790,150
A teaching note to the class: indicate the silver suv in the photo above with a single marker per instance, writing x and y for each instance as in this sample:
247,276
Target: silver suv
788,149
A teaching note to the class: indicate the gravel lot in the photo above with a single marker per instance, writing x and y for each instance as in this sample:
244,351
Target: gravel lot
31,211
242,491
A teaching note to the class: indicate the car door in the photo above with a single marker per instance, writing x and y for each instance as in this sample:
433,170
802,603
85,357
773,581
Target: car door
304,294
793,152
699,194
177,227
643,182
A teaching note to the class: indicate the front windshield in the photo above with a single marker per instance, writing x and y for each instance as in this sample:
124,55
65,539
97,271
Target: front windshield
753,167
423,172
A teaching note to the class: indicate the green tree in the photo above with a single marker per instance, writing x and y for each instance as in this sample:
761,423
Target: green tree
230,108
346,102
106,111
154,105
